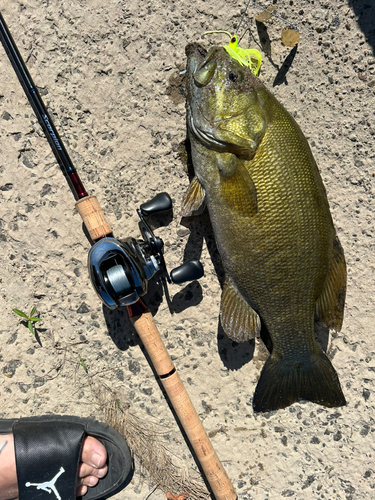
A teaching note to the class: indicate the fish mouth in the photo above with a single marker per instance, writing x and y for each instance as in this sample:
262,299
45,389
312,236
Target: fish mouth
211,141
206,137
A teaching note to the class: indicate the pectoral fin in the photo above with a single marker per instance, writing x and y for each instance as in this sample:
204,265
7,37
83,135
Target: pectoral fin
194,199
237,186
330,304
239,321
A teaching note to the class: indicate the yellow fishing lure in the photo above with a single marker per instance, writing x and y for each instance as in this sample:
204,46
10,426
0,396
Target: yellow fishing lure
246,57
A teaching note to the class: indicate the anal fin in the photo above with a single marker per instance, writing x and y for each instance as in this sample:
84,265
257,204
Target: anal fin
238,319
193,199
330,304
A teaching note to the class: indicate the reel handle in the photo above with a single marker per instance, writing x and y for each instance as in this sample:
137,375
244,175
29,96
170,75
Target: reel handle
191,270
160,203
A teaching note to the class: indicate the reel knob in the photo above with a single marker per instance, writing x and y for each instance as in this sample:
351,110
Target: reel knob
192,270
160,203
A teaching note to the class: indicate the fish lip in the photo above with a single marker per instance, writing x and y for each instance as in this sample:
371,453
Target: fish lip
195,54
206,137
210,141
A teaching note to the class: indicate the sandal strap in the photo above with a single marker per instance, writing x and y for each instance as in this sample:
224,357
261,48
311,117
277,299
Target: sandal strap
47,458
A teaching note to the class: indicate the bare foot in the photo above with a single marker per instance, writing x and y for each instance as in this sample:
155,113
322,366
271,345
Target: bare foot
93,465
91,469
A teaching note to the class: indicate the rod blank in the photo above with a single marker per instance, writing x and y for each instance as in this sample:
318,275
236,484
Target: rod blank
40,111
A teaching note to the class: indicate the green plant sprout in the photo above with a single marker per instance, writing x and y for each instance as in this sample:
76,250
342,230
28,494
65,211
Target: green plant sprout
82,361
119,406
31,319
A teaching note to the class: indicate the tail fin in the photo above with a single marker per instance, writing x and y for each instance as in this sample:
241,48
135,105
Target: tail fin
283,383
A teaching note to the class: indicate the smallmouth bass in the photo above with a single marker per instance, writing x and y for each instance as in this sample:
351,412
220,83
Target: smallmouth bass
269,211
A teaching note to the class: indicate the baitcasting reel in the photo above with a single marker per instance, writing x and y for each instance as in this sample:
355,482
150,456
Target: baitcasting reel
119,271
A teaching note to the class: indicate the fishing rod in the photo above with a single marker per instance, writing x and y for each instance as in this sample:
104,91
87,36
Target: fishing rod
41,112
119,273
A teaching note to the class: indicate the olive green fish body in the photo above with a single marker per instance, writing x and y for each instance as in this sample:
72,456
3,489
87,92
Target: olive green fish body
272,225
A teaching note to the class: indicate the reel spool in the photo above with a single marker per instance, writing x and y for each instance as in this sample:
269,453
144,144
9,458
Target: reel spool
119,271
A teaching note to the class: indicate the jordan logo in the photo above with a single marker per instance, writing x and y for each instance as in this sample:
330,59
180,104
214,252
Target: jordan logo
49,486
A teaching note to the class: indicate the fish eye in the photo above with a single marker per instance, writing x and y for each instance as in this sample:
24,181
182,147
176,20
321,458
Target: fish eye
233,77
233,40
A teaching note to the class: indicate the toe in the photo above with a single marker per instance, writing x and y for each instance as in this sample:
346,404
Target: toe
81,490
93,452
86,470
89,481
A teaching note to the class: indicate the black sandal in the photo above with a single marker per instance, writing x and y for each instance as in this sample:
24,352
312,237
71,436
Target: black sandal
48,450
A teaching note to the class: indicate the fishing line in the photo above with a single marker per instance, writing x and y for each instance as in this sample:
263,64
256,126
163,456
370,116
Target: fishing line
273,13
242,18
264,9
246,30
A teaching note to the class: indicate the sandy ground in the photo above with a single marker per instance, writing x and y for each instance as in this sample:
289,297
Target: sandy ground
110,73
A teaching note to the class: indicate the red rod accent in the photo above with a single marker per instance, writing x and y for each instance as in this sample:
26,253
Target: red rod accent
77,184
137,309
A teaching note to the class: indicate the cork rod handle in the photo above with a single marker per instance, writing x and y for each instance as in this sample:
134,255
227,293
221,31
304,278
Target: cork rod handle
219,482
93,217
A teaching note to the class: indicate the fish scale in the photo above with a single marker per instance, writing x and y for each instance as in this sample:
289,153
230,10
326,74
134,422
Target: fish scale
272,225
